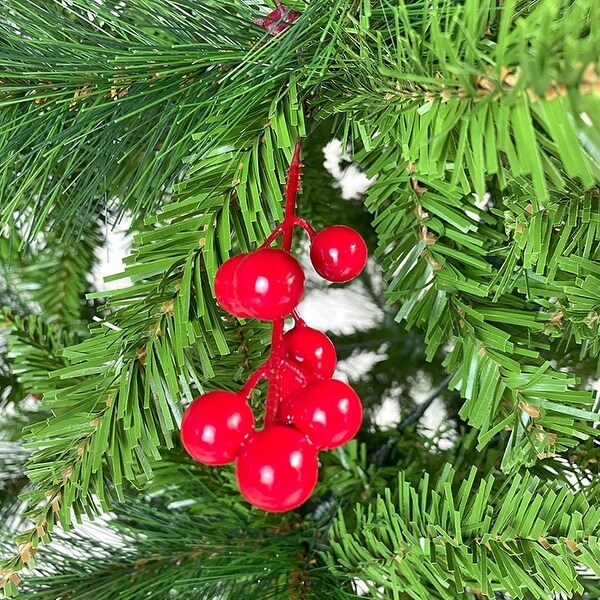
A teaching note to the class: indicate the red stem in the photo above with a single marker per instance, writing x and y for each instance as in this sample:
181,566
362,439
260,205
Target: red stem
299,222
254,379
287,228
298,320
272,237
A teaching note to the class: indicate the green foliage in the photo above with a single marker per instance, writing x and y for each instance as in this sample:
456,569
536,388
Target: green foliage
34,349
477,89
116,402
161,552
98,109
59,269
106,108
13,482
187,535
435,541
503,285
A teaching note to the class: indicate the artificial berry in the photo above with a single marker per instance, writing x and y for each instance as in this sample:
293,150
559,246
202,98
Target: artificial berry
269,283
338,253
328,411
312,349
224,287
277,469
214,426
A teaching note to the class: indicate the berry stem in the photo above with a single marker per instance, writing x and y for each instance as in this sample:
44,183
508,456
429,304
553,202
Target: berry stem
300,222
298,320
287,228
254,379
272,237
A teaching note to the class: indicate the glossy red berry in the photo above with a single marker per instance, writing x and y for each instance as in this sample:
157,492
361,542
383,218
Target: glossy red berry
291,377
277,469
214,426
338,253
224,291
313,349
269,283
328,411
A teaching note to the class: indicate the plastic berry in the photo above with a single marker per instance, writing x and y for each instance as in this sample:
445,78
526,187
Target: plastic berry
338,253
214,426
269,283
328,411
277,469
313,349
224,287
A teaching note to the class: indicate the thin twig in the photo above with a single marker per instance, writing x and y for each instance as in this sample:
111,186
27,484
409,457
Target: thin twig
423,406
380,455
376,342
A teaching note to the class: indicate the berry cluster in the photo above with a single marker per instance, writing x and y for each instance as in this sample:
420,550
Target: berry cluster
306,410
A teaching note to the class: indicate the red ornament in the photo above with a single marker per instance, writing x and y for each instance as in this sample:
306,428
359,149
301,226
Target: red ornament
224,287
313,349
269,283
338,253
214,426
328,411
277,469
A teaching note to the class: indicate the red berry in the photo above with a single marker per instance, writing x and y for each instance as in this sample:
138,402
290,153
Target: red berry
311,348
328,411
277,469
224,287
269,283
214,426
338,253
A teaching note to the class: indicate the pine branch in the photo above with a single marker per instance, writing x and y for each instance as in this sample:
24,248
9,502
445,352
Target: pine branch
52,276
13,482
454,90
123,99
200,546
525,538
120,109
470,115
476,283
60,272
117,402
34,350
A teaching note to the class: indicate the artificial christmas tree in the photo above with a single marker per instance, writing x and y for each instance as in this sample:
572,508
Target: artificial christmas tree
477,125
